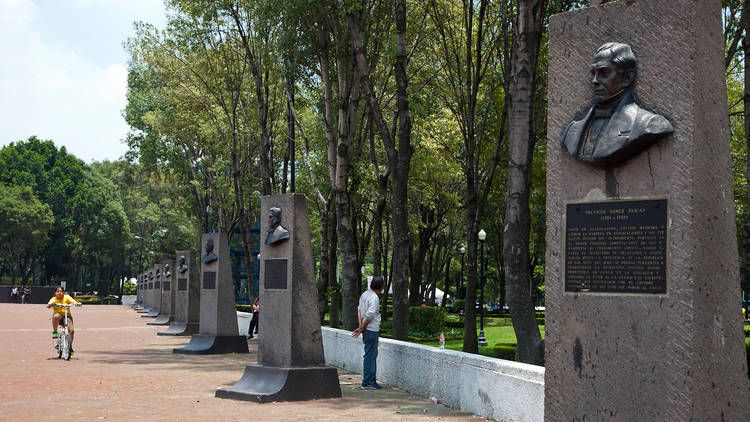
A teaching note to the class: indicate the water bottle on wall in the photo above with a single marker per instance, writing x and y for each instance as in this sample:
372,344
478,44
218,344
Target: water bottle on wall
442,340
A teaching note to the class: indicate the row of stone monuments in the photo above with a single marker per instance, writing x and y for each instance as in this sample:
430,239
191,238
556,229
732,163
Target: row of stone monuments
194,296
642,289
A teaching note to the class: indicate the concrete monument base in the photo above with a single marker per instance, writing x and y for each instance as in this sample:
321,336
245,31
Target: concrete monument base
153,313
180,329
265,384
209,344
162,320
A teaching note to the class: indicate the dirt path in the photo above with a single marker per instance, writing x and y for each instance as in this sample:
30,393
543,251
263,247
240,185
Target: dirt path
123,371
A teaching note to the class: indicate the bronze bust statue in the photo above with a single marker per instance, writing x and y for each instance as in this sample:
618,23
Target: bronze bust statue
209,257
276,232
182,267
167,272
615,127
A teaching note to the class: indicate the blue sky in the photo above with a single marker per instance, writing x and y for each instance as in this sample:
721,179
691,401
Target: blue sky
63,71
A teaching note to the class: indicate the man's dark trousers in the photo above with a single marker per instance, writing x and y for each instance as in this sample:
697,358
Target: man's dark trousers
369,363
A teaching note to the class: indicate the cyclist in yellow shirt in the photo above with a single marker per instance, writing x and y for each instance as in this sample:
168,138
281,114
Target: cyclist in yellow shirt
58,313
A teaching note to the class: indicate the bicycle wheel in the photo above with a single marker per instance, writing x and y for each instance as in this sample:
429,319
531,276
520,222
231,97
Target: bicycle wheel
58,347
66,346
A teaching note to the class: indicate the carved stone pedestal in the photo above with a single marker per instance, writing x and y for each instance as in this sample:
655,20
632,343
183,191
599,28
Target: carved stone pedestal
265,384
210,344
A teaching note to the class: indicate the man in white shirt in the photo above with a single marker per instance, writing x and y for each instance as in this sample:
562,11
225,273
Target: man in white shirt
368,313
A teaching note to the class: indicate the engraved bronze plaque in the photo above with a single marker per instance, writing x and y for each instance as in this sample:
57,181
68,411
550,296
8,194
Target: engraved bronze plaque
209,280
274,274
167,286
182,284
150,286
157,284
616,247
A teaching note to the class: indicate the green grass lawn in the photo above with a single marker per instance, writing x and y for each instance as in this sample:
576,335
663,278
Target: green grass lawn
496,330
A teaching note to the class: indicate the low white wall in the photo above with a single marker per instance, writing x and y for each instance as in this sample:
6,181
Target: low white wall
493,388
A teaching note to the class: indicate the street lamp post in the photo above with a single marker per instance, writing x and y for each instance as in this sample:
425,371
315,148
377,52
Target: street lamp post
208,213
461,282
208,207
482,340
162,231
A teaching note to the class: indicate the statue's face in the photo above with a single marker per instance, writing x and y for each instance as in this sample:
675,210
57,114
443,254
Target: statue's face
209,245
605,79
274,218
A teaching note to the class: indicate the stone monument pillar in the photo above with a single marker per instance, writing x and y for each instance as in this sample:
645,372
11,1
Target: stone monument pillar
137,280
154,289
146,284
218,315
642,287
167,295
138,305
144,307
291,365
187,297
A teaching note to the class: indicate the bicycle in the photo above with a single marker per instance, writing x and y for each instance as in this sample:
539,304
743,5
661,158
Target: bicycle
62,342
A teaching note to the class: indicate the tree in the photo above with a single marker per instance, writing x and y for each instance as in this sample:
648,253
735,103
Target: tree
26,222
527,37
399,151
468,43
57,179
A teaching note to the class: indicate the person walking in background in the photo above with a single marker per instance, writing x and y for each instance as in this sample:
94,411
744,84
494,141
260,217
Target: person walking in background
14,294
254,321
368,313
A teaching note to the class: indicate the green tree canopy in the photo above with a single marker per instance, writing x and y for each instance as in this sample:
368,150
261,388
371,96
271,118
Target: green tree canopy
26,222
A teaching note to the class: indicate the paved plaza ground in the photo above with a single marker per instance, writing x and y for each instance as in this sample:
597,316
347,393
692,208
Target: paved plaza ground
123,371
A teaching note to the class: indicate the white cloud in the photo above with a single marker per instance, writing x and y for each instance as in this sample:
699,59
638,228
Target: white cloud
15,13
50,90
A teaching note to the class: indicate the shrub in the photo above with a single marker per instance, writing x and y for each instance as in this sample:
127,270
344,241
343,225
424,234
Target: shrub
244,308
458,305
505,351
747,331
747,350
128,289
426,319
88,300
454,324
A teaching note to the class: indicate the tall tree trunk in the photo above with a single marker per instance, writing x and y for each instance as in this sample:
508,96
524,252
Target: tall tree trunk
426,230
335,310
527,32
325,219
399,159
745,245
470,314
387,275
325,268
380,203
262,97
349,265
348,102
447,278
